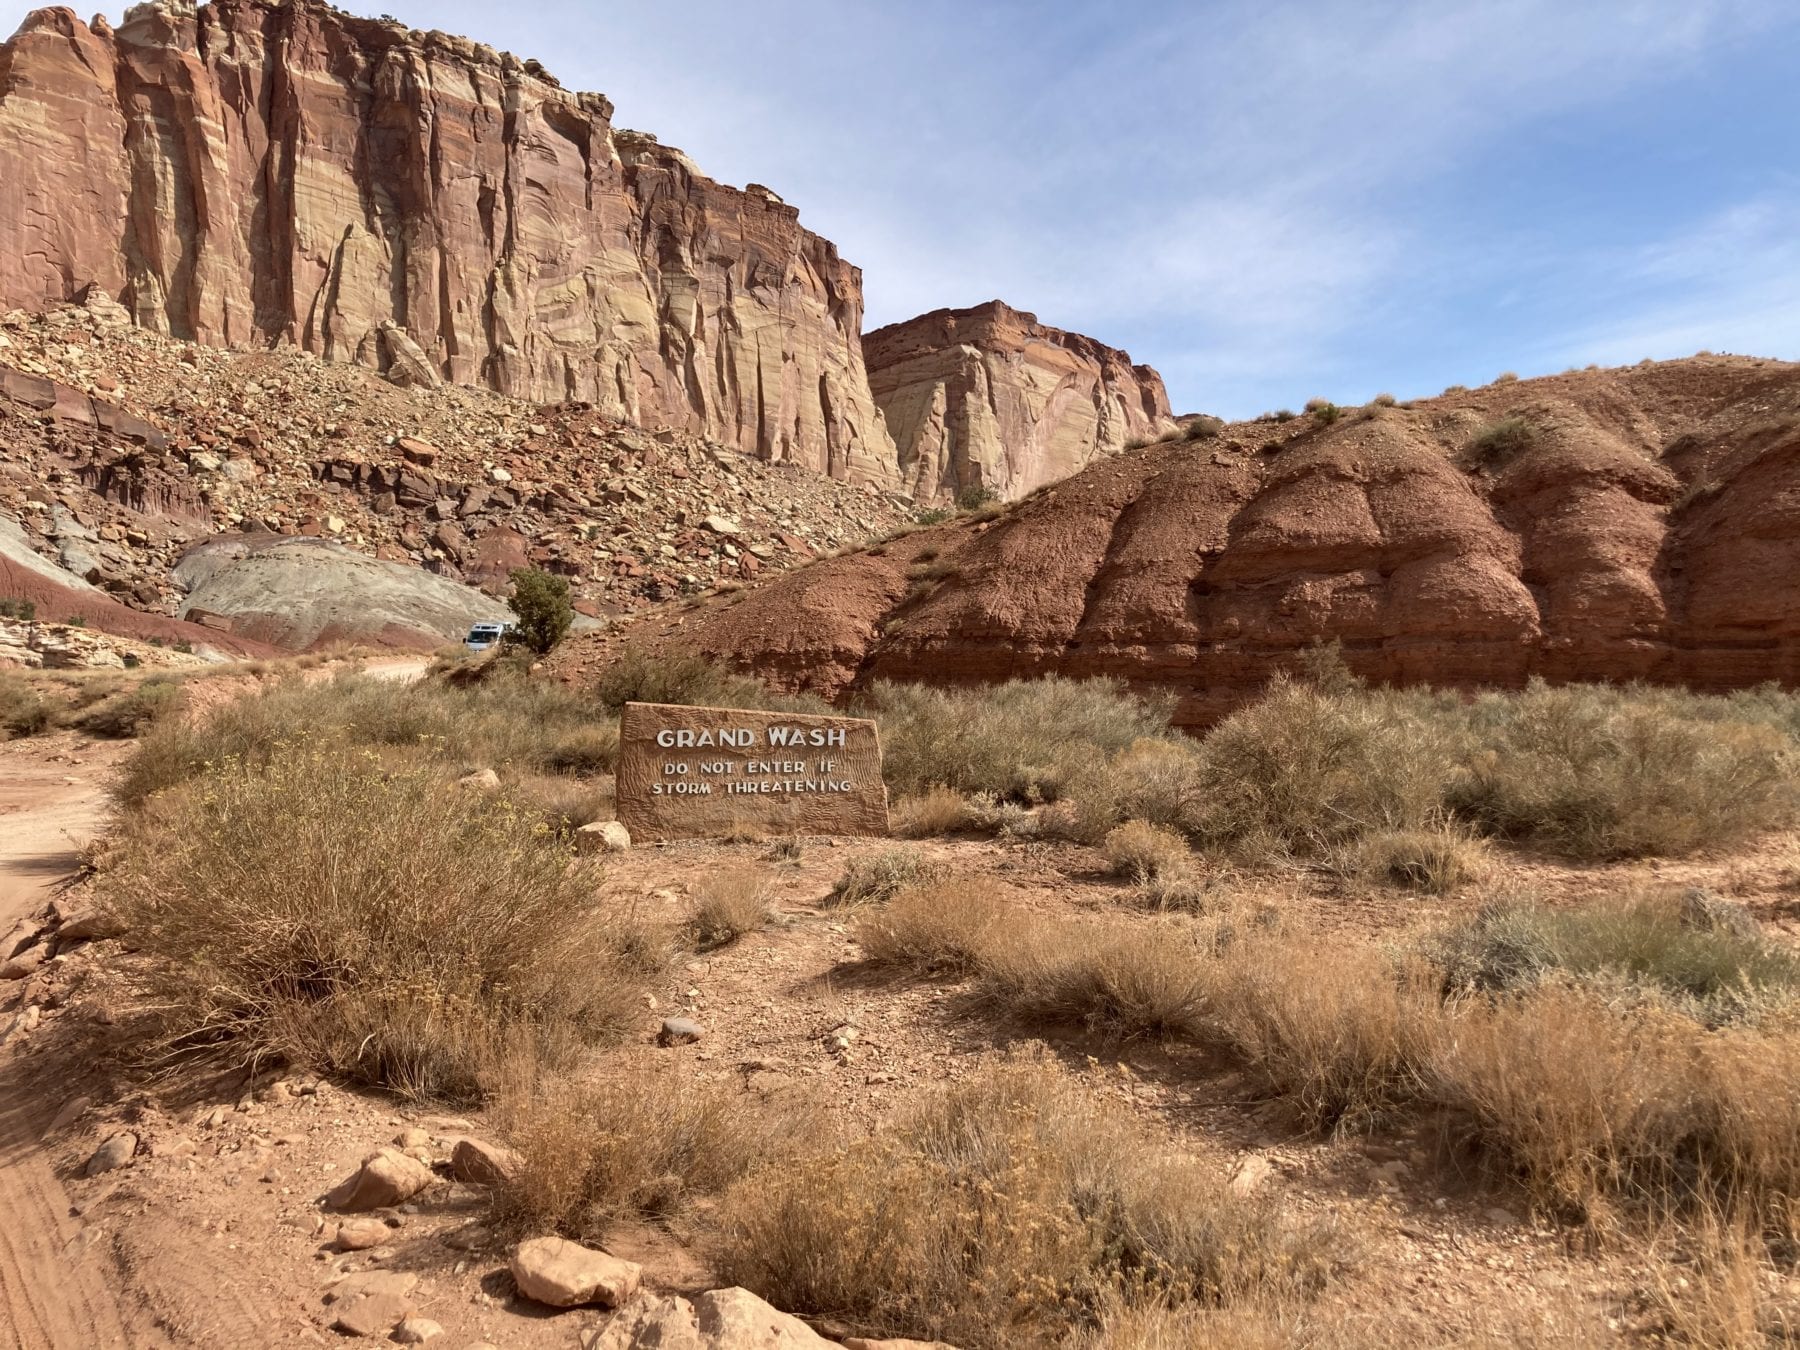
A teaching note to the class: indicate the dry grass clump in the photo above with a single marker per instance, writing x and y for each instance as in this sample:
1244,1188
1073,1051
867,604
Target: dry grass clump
629,1144
1159,781
881,876
131,711
936,811
22,711
727,906
504,720
325,908
1023,740
1127,979
940,926
1002,1210
1675,943
1501,440
1437,860
686,677
1598,772
1139,850
1305,770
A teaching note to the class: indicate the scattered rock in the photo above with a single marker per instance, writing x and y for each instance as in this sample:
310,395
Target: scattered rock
417,1330
602,836
358,1235
565,1274
1250,1174
88,925
864,1343
18,938
72,1111
116,1152
386,1177
25,963
725,1319
485,779
679,1031
372,1314
483,1164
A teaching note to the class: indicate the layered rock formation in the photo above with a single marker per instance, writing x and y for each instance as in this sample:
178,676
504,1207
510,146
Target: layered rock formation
1633,524
261,171
991,397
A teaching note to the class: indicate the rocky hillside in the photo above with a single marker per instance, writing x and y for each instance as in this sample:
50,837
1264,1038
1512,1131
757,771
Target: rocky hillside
254,172
1637,523
122,451
991,397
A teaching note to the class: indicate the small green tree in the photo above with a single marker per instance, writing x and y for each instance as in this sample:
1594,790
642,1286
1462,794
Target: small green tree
542,603
975,496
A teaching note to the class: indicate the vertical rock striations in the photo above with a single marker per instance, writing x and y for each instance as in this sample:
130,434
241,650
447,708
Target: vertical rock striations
989,396
258,171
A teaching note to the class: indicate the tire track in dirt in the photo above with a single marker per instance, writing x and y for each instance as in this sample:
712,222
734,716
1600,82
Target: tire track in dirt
54,1291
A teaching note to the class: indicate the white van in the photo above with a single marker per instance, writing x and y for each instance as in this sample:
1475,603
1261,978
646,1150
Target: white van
485,635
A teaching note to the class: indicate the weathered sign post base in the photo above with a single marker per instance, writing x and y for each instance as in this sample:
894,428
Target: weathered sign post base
689,773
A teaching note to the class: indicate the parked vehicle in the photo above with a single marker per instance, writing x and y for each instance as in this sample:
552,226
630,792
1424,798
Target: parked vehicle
485,635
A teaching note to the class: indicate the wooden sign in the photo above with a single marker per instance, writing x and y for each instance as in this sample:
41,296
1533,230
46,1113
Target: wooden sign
687,773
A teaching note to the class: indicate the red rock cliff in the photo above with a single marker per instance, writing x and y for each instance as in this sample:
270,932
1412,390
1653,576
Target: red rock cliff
255,171
989,396
1644,525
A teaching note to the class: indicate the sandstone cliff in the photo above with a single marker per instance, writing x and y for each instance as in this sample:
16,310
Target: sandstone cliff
989,396
261,171
1641,523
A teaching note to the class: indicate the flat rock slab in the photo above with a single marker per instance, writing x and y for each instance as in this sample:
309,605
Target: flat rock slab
687,773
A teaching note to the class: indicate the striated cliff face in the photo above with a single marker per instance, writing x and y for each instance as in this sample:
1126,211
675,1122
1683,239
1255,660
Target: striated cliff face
1642,524
275,170
990,396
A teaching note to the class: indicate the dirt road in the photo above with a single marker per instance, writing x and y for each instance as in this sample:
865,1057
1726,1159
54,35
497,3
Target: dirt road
54,1294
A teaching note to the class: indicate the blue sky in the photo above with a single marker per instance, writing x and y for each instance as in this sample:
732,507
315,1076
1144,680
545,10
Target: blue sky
1265,200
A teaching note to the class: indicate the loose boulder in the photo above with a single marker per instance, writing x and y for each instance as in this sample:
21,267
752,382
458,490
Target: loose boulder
602,836
565,1274
386,1177
483,1164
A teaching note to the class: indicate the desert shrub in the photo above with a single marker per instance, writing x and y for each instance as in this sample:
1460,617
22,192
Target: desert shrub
1507,377
1666,939
1318,403
1283,415
1126,979
1136,442
23,610
563,803
937,810
1598,772
881,875
686,677
1022,740
1501,440
130,712
975,496
1203,428
545,611
726,906
582,750
1342,1035
328,909
1384,400
626,1145
1328,414
1593,1107
22,711
1154,779
1303,770
505,719
934,515
1436,860
1139,850
1000,1210
939,925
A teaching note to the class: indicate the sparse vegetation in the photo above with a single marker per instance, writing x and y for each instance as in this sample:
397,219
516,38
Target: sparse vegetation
1203,428
881,876
23,610
23,711
629,1145
726,906
1384,400
545,611
1435,860
1499,441
444,937
1000,1210
975,496
131,711
685,677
